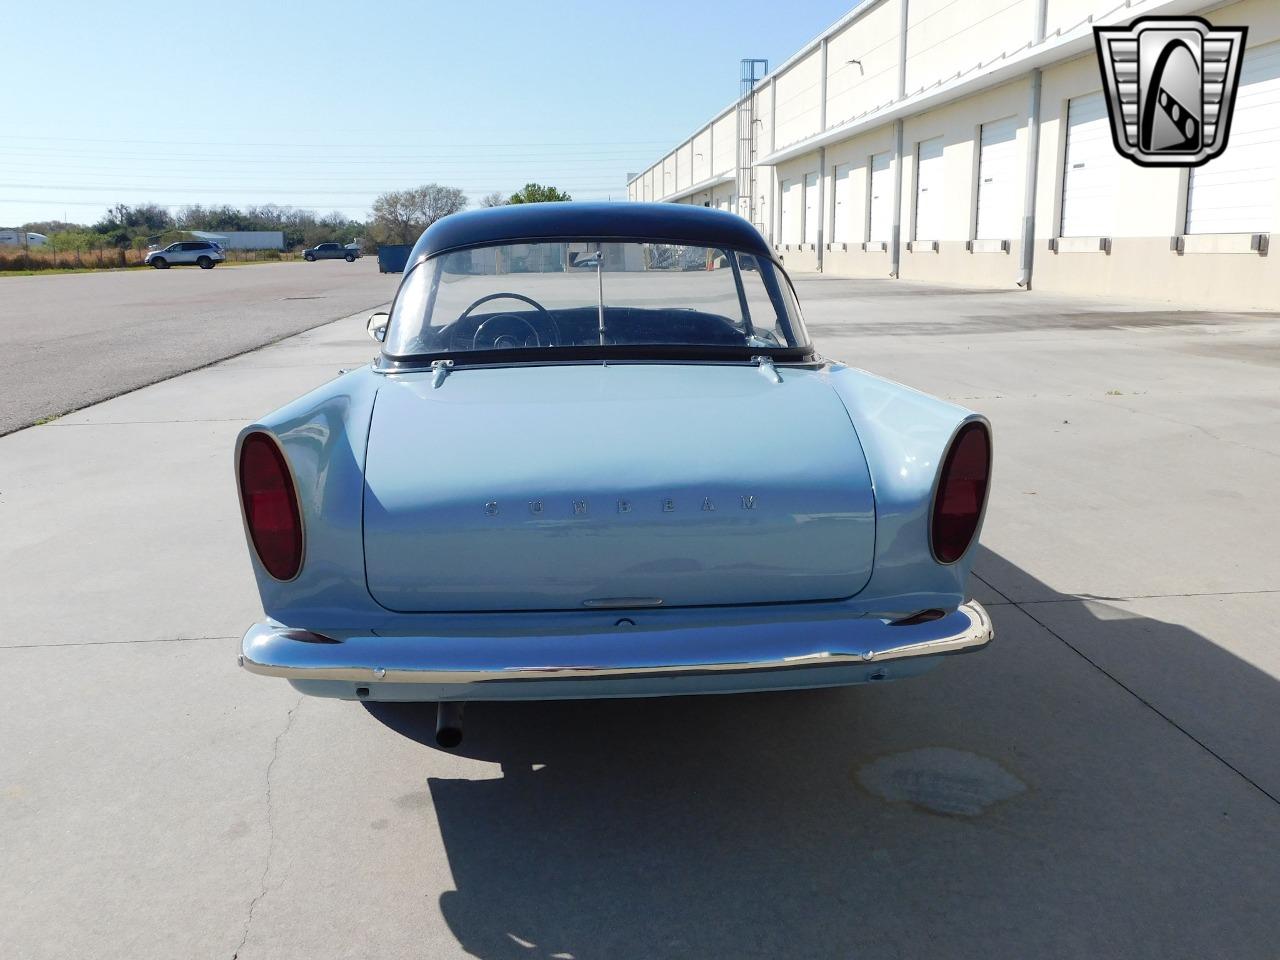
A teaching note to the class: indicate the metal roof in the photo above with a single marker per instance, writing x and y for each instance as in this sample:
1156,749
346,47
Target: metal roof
531,222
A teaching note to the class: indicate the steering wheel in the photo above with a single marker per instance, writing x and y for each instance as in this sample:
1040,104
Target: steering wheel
551,321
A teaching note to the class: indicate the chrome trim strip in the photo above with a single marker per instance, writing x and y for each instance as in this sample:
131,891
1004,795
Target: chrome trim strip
380,364
277,651
622,603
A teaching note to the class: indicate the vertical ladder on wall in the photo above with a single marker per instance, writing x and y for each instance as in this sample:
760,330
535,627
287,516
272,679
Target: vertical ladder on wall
752,72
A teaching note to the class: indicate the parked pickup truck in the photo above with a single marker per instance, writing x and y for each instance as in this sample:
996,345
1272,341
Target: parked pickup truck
331,251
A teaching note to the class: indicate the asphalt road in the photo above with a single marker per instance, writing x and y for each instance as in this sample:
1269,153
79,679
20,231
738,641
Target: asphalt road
70,340
1101,782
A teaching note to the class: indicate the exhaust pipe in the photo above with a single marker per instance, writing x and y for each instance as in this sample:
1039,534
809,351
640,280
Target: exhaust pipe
449,723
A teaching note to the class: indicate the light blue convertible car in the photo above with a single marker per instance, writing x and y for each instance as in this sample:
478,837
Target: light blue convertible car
599,457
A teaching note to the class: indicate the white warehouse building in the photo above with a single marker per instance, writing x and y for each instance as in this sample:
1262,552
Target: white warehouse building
243,239
967,141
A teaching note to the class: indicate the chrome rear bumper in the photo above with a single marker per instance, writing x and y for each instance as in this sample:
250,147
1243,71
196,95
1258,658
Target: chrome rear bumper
627,661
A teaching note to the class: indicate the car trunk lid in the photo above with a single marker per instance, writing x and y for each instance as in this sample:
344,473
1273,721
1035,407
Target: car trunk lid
572,486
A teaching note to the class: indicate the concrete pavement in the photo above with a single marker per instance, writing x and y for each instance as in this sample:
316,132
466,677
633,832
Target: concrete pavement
70,340
1101,782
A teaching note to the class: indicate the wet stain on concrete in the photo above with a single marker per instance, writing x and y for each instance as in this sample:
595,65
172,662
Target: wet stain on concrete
413,801
1261,352
968,324
940,780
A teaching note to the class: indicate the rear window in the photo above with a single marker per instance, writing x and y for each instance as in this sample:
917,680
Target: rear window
586,294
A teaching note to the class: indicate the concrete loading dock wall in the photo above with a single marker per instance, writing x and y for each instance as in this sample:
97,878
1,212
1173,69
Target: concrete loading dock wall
842,127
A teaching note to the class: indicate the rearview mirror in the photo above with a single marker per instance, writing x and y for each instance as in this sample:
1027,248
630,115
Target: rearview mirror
377,325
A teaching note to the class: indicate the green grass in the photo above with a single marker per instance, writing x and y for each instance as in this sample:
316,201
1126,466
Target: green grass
58,271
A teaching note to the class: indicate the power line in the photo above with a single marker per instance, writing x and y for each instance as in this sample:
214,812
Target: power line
245,143
377,178
137,188
107,178
313,161
193,202
349,150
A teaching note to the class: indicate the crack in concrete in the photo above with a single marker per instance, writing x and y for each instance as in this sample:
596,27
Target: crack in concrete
1148,704
990,586
1082,597
271,829
108,643
1190,426
1087,597
1021,605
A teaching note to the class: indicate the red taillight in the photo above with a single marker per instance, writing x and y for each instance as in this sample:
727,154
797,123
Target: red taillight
270,506
962,491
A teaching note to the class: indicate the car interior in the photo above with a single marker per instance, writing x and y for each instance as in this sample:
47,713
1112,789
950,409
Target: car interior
528,326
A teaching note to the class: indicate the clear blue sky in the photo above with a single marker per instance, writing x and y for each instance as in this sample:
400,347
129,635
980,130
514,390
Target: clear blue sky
325,104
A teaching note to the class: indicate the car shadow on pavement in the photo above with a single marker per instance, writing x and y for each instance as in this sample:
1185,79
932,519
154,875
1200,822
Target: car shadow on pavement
1016,802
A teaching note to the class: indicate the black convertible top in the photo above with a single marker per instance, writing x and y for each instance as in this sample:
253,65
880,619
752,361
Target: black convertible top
527,222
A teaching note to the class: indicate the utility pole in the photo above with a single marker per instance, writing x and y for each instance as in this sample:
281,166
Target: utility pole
752,72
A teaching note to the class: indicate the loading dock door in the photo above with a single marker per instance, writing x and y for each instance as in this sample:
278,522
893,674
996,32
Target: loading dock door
811,208
791,200
1237,192
999,207
1092,170
880,207
841,209
929,199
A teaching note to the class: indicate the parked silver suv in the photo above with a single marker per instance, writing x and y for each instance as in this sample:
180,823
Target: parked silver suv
202,253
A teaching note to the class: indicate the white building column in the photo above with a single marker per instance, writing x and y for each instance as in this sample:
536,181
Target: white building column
1033,159
895,251
822,154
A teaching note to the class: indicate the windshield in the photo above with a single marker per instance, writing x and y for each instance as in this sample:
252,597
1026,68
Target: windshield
594,297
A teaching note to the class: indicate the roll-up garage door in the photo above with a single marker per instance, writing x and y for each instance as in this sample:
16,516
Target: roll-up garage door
791,211
929,199
811,208
1092,170
842,210
1236,192
999,205
880,226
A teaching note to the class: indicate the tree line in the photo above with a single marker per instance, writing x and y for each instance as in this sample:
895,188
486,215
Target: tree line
398,216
